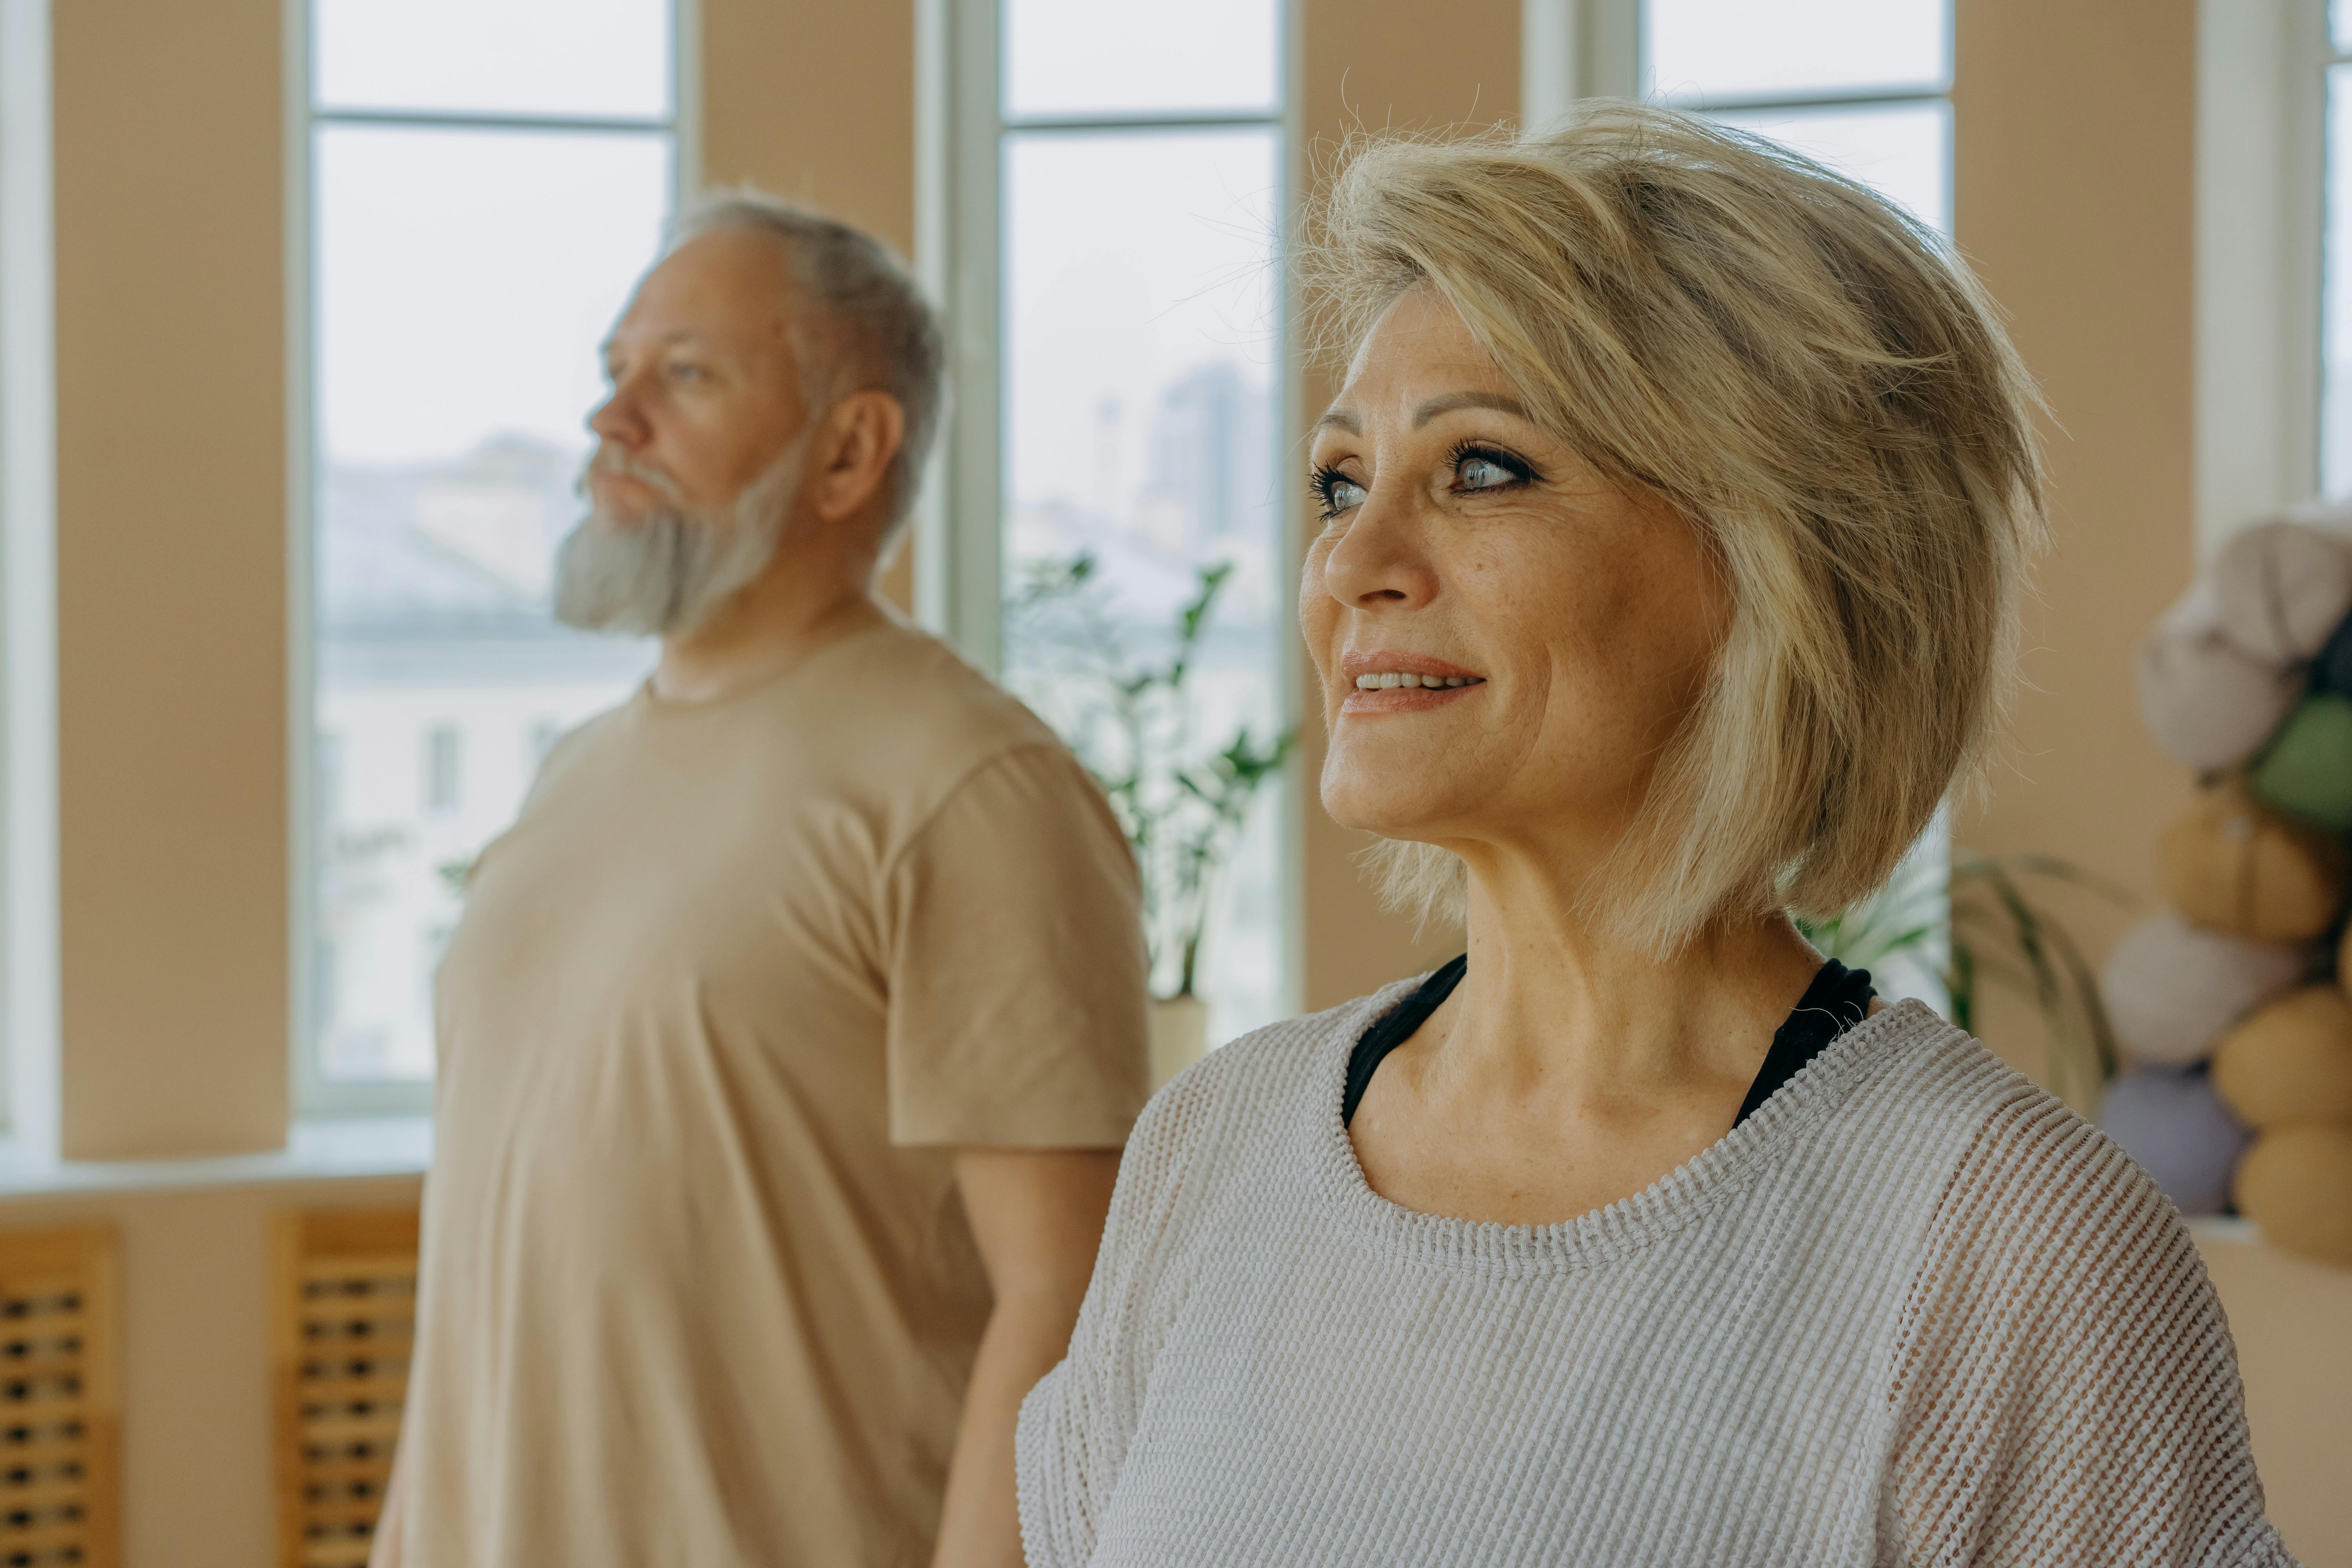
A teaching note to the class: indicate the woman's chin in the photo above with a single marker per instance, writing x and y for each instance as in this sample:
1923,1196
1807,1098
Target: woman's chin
1391,812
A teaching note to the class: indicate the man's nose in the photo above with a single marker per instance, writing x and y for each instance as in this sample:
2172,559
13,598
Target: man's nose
619,420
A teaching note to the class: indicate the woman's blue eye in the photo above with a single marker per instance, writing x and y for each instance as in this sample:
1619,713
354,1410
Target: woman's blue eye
1336,492
1482,474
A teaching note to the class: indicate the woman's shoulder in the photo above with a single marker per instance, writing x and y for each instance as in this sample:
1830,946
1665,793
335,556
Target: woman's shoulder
1266,1085
2060,1340
2019,1175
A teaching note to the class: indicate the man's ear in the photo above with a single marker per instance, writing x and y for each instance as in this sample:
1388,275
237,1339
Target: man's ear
852,456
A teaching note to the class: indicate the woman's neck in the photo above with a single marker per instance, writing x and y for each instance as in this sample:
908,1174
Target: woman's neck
1554,998
1571,1069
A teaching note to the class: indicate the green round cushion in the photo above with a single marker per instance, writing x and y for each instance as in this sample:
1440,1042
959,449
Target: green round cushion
2307,769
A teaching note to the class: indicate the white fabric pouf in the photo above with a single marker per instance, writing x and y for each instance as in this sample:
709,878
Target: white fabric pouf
2282,588
2173,990
2207,703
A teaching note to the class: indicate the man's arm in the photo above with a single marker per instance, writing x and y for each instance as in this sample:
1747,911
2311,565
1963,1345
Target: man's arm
1037,1215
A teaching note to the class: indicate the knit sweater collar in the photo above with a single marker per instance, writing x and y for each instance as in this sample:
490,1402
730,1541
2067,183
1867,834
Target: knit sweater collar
1685,1194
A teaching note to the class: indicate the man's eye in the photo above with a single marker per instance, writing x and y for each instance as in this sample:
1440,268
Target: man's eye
686,371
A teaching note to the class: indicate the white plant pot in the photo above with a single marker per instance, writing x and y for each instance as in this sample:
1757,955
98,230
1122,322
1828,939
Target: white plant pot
1179,1035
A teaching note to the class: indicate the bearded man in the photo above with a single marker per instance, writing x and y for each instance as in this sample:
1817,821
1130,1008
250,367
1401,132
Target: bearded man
790,1035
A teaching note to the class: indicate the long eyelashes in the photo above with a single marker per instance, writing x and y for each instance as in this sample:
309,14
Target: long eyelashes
1521,471
1326,482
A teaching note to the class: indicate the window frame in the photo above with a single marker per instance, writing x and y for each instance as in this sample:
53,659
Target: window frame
962,130
1599,48
1830,101
30,977
2260,276
314,1094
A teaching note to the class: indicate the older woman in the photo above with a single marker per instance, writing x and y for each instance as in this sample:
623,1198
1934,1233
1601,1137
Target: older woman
1673,517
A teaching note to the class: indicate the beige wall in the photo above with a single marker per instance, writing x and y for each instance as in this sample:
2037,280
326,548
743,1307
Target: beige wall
172,674
2290,1318
1377,64
2074,197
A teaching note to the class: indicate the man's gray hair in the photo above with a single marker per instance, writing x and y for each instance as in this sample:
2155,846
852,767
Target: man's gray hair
872,328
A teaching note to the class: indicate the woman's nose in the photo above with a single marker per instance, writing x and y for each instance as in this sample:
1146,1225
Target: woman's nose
1381,562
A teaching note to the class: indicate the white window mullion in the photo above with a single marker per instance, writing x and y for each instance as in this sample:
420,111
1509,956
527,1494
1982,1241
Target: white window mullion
958,564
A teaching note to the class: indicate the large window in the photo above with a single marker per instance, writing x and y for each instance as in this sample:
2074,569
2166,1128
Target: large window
1861,85
1118,177
485,178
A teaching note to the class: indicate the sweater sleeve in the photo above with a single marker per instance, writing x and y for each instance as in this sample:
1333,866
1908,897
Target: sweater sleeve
2066,1390
1075,1425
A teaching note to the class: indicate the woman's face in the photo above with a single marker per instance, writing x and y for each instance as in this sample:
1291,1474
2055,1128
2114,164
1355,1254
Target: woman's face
1534,636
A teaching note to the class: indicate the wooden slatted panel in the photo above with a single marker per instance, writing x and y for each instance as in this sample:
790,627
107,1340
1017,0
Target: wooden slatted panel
344,1304
61,1410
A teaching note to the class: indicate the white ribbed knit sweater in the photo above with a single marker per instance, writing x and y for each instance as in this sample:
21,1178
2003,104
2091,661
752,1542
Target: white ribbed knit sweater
1913,1311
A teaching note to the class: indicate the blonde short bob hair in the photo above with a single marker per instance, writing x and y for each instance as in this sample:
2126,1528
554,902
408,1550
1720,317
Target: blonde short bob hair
1815,381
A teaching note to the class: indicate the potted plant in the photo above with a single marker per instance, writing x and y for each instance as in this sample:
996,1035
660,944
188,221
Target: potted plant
1128,714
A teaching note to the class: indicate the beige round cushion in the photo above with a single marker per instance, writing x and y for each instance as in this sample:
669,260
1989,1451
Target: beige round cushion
2232,865
2291,1063
2296,1184
2208,703
2281,589
2172,990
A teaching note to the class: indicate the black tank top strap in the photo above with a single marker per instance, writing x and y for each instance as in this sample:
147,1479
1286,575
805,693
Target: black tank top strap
1393,1028
1837,1000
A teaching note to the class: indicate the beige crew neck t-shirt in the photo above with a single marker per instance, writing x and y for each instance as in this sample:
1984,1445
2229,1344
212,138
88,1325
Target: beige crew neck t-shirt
696,1284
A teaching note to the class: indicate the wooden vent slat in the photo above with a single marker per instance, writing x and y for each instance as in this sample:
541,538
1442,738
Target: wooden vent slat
343,1295
60,1406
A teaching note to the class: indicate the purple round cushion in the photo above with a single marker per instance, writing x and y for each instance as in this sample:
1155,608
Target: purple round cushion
2180,1131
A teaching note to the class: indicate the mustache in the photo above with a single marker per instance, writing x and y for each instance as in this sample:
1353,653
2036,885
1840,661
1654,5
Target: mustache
613,463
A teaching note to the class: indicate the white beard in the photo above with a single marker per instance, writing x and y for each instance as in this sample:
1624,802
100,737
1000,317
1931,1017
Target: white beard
666,570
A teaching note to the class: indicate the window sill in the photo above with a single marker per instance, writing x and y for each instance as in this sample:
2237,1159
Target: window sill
340,1149
2207,1229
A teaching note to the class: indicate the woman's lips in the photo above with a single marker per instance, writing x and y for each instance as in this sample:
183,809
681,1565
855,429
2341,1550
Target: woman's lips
1405,698
1435,681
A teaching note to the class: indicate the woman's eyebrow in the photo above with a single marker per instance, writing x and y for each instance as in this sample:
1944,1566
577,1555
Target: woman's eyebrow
1454,400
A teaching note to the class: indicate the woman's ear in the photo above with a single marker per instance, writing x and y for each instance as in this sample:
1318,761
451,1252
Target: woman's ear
852,458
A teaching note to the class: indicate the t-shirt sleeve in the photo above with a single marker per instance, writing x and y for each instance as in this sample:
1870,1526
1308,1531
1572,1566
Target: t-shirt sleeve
1017,1002
1077,1424
2068,1391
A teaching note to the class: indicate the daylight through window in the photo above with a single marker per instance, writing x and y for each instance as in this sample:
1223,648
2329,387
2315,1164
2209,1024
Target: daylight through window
1861,85
486,178
1140,160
